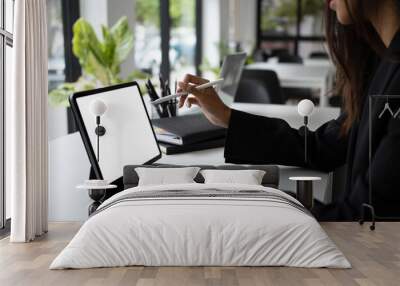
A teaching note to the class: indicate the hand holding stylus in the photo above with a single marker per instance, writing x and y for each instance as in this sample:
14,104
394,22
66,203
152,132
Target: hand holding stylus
179,94
207,99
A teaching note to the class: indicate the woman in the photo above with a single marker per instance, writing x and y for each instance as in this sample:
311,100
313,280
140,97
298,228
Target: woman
364,43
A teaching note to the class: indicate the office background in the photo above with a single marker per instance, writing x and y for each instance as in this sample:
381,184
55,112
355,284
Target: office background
174,37
171,37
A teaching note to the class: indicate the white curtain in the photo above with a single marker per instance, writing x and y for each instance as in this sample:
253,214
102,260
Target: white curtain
26,123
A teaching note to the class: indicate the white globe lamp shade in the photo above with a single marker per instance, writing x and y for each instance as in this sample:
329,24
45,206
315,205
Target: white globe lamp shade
305,107
98,107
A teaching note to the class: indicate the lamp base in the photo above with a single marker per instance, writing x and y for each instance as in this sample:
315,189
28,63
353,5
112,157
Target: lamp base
100,130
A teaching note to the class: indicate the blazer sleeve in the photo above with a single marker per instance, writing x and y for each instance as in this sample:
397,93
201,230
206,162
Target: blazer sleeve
253,139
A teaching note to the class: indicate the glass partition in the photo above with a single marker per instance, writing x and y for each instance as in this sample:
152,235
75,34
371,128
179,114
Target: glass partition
278,17
183,37
56,60
147,36
299,23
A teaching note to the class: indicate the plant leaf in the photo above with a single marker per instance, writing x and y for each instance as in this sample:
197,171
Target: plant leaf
89,50
123,38
109,48
60,95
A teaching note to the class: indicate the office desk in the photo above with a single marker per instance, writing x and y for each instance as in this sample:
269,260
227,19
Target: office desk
307,61
312,75
323,191
317,62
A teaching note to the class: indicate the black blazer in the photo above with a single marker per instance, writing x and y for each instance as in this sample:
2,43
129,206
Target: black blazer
254,139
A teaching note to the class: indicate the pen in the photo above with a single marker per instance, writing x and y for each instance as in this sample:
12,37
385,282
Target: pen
153,96
171,103
153,90
176,95
164,106
161,109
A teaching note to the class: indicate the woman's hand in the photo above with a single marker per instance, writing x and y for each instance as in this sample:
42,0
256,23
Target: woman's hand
207,99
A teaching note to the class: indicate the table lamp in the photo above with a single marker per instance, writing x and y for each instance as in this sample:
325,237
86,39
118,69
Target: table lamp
98,108
305,108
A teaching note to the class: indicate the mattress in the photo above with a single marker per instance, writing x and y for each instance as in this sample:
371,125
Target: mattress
201,225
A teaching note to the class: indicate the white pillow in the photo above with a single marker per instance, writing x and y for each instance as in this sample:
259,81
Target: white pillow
246,177
166,176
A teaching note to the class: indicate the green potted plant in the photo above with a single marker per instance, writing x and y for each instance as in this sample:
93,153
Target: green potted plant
100,59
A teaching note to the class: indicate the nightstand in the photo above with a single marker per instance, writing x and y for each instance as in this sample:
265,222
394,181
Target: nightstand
304,190
97,194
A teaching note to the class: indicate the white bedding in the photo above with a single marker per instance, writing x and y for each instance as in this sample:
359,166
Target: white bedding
200,231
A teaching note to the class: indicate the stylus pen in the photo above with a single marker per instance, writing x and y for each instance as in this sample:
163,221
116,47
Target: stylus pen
179,94
153,96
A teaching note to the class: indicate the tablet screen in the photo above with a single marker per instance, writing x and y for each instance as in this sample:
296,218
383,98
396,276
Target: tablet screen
129,137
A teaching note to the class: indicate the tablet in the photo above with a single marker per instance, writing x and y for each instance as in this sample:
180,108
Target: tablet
129,137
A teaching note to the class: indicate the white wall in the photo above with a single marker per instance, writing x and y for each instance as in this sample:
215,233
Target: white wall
58,123
68,167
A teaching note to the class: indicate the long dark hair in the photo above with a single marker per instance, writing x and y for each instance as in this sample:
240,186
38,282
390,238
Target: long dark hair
351,47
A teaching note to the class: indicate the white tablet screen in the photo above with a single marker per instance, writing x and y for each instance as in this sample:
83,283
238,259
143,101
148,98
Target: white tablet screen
129,137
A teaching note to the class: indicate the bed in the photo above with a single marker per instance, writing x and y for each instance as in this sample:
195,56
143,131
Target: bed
198,224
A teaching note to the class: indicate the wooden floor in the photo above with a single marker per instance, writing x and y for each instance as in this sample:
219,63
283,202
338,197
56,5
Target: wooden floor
375,257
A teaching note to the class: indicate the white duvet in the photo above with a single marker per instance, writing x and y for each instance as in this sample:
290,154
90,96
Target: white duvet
200,231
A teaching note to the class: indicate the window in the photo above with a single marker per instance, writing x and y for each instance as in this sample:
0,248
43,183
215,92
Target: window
291,25
147,36
167,37
183,37
9,16
6,43
55,36
167,40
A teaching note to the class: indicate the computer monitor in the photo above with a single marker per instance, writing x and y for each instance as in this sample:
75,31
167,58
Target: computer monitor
129,137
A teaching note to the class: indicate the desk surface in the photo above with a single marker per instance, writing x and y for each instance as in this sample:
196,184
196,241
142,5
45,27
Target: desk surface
374,255
306,62
299,72
286,112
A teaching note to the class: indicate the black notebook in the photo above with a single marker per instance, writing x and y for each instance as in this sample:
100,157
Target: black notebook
170,149
187,129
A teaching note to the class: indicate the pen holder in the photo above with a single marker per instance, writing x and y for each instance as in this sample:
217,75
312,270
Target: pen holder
166,109
172,107
155,111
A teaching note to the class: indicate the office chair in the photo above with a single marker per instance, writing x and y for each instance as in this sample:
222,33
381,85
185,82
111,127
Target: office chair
318,55
288,58
260,55
259,86
296,94
278,52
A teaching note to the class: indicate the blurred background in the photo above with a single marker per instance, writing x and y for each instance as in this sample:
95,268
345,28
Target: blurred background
175,37
95,43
